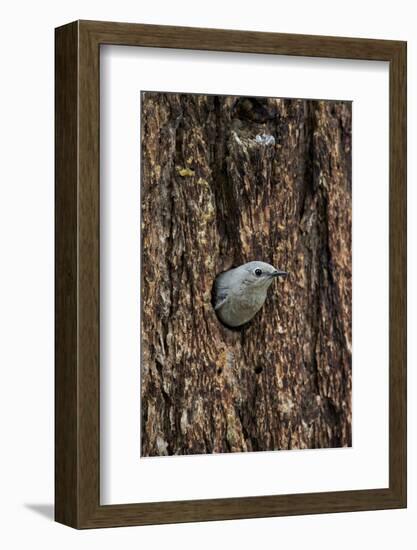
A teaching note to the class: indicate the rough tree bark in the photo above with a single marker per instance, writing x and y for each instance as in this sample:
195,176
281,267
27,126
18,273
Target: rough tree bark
213,198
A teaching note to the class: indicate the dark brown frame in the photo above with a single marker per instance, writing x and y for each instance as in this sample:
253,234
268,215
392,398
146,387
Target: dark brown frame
77,274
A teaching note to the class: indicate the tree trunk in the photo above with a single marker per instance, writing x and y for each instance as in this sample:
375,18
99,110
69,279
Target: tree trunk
213,198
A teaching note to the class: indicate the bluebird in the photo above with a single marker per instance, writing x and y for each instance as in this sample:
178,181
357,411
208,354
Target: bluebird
240,293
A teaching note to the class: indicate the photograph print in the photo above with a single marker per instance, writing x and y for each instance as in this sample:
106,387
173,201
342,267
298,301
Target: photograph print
246,274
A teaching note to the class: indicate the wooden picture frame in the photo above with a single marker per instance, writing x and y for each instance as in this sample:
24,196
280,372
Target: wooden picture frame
77,382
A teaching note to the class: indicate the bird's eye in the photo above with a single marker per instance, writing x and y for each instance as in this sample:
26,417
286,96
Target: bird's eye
258,272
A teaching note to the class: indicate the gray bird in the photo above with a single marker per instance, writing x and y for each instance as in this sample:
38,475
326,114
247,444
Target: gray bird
241,292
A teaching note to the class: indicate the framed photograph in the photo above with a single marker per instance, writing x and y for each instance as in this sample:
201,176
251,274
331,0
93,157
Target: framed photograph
230,274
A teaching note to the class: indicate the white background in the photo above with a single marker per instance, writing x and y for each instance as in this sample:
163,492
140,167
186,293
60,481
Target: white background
124,477
26,301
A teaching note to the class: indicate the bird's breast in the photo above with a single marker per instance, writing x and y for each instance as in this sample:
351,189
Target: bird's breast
241,307
250,300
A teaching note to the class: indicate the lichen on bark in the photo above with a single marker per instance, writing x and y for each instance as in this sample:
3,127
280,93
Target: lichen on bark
212,198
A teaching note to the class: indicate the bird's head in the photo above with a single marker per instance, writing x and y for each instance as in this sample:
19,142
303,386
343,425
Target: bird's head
260,274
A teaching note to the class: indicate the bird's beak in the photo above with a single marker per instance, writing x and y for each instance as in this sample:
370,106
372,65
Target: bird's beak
278,273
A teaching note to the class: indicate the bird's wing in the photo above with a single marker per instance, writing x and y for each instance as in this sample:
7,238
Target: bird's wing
221,298
221,291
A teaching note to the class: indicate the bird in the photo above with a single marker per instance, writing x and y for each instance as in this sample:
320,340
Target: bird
239,293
